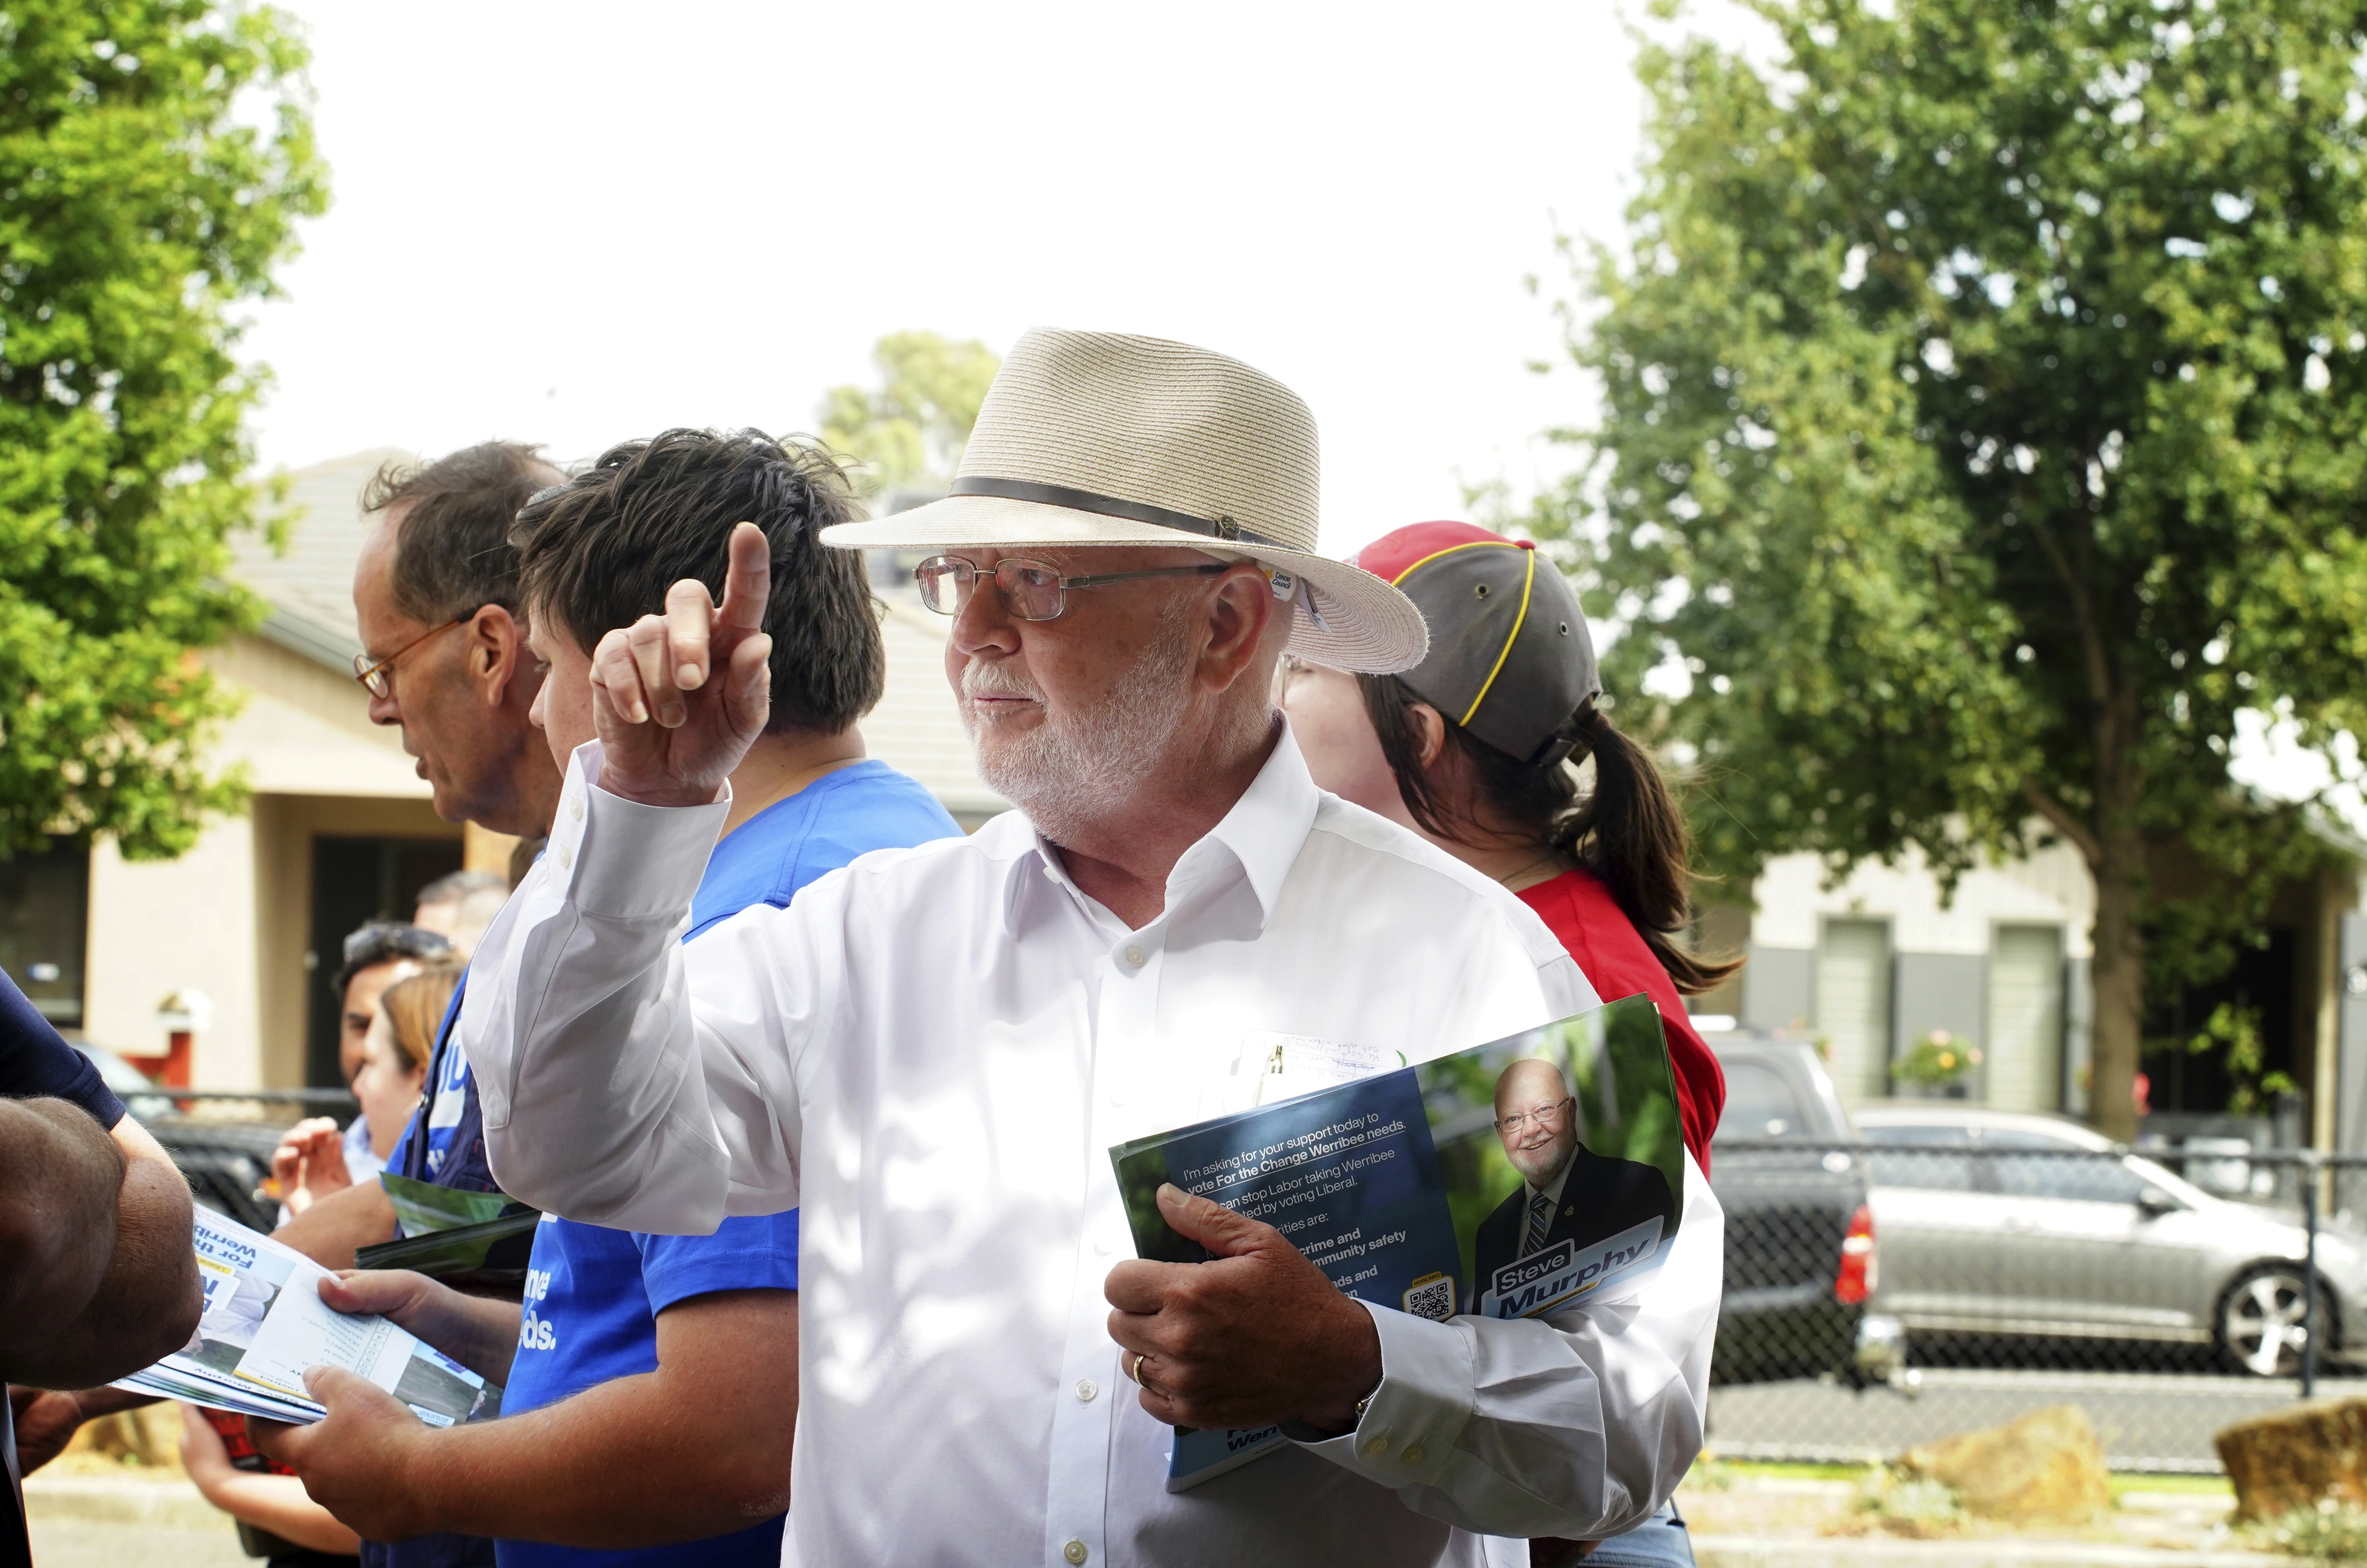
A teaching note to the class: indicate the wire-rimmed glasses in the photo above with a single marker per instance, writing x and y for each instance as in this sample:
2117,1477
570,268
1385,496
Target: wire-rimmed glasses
378,678
1031,590
1545,1116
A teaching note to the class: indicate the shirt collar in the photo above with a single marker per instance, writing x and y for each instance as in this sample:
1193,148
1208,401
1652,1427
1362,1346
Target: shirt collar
1263,834
1268,826
1552,1189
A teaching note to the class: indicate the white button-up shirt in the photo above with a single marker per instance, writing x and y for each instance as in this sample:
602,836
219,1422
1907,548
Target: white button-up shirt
933,1051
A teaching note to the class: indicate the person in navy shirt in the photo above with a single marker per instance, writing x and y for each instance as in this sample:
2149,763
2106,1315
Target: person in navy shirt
97,1278
651,1380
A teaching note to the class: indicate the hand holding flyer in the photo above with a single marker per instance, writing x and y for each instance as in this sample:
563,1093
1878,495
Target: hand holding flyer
1531,1175
1254,1333
264,1323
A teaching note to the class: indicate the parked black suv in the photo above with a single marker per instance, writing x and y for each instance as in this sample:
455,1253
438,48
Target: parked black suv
1800,1252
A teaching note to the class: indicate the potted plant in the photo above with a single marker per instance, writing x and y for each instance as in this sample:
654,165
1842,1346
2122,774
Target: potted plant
1938,1067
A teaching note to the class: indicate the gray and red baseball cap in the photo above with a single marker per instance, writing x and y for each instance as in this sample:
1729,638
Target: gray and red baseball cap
1510,658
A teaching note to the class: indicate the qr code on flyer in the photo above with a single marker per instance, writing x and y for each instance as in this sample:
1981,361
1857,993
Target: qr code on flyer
1433,1296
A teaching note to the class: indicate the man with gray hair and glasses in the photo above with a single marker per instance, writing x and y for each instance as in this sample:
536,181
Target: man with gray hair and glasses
933,1049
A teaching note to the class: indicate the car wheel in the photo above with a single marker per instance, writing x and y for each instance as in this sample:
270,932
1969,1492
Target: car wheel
2261,1327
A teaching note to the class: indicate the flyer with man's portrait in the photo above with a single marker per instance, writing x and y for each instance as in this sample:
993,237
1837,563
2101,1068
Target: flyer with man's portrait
1527,1176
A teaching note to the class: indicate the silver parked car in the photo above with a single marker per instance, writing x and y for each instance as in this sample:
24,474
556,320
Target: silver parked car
1994,1223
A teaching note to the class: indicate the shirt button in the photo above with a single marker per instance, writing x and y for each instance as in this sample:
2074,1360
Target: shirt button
566,858
1375,1447
575,808
1086,1389
1136,958
1074,1551
1412,1454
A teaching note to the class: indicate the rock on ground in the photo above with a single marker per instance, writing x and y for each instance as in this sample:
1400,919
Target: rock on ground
149,1434
2297,1457
2045,1468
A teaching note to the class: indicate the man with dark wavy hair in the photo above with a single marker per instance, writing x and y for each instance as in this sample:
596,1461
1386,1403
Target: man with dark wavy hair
628,1342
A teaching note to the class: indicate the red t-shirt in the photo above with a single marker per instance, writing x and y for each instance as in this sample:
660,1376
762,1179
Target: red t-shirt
1613,956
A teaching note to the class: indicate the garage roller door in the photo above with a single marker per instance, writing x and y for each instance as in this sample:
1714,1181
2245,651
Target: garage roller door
2025,1046
1853,1006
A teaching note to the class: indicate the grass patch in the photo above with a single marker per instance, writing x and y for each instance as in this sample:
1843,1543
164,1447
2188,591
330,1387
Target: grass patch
2329,1533
1897,1505
1720,1472
1713,1474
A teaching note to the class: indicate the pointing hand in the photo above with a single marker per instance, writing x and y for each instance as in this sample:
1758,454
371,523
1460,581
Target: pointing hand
677,699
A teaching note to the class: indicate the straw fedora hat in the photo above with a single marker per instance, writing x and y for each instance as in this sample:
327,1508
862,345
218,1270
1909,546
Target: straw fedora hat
1097,438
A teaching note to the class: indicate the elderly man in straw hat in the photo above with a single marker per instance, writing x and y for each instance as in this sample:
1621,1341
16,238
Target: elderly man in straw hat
934,1049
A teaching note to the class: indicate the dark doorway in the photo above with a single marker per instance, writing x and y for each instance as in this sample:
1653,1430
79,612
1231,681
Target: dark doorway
355,881
44,928
2262,979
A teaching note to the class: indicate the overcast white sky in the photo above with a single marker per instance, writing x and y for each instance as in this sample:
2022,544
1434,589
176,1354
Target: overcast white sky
578,224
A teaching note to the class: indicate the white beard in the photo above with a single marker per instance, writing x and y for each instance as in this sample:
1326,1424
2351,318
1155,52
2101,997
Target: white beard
1539,1166
1070,773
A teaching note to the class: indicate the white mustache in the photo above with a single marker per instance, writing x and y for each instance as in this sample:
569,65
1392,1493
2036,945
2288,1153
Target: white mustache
978,678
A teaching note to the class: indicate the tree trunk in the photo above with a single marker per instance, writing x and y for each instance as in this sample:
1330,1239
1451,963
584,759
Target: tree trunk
2119,865
2118,972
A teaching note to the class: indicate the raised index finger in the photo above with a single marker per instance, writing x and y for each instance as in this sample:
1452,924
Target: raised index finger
748,580
687,614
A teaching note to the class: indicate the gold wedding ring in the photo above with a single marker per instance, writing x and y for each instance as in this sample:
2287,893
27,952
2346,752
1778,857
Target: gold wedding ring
1135,1374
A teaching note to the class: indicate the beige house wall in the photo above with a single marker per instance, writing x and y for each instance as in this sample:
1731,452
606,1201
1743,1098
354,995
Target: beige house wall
157,926
306,728
232,916
2050,887
285,827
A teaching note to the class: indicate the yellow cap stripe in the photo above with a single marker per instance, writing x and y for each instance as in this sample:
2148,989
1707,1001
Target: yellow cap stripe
1527,583
1399,580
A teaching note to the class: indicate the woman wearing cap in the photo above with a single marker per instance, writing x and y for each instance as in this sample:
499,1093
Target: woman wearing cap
1473,748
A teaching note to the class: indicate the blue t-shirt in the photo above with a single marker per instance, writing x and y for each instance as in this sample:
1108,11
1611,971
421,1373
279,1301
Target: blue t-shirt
593,1295
454,1124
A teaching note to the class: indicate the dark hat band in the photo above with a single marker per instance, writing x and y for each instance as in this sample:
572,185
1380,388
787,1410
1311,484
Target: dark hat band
1223,528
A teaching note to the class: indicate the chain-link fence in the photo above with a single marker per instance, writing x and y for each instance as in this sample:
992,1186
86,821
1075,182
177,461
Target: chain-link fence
1938,1278
1922,1280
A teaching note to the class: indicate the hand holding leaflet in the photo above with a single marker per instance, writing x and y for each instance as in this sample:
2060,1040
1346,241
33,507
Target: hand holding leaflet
264,1325
1530,1176
1254,1332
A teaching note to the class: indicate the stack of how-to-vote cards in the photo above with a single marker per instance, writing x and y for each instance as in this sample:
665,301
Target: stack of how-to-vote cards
264,1323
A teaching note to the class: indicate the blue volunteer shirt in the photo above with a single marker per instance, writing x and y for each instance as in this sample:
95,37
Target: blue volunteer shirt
593,1295
452,1151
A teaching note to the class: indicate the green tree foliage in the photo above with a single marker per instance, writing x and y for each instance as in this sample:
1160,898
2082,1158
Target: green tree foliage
155,158
1983,428
910,434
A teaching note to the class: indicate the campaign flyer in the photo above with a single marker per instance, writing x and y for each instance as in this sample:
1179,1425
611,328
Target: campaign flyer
1529,1175
264,1323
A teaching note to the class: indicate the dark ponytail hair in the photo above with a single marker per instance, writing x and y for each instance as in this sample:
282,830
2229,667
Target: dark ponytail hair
1628,831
